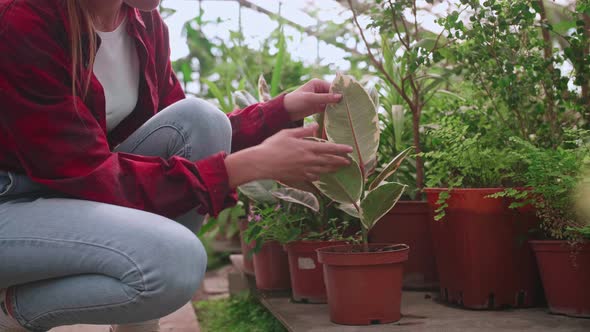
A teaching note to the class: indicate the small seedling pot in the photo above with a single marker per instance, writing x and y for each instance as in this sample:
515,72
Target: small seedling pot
307,274
271,268
364,288
565,272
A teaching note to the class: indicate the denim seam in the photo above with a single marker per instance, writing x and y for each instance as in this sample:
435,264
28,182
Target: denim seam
176,127
29,324
11,184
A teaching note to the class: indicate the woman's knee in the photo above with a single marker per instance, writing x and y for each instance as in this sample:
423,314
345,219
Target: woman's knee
210,129
173,278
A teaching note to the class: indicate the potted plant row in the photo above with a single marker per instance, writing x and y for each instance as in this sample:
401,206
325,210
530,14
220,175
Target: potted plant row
294,222
348,268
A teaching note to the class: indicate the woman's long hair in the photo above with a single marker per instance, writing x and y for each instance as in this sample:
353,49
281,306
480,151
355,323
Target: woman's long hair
81,24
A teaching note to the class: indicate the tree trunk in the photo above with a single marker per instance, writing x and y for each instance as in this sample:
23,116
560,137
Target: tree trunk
548,83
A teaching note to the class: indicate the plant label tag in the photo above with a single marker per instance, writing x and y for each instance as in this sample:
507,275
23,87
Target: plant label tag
305,263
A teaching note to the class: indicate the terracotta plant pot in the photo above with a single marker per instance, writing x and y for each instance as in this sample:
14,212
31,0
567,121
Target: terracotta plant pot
565,272
363,287
271,267
409,222
307,274
246,247
481,253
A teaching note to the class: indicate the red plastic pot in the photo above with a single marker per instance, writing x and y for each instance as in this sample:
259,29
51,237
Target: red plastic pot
271,267
363,287
482,258
307,274
246,247
565,272
409,222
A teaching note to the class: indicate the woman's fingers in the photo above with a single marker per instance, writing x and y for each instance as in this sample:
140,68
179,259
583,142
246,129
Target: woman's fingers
328,148
322,98
330,161
318,86
307,131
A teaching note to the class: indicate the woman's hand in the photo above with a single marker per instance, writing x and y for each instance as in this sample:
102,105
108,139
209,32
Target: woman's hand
310,98
286,157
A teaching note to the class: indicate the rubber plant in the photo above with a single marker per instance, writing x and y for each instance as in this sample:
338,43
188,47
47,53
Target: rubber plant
354,121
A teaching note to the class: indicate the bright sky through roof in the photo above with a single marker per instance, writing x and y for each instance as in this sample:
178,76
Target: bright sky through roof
258,26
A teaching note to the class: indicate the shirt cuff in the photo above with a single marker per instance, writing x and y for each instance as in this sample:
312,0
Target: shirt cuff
276,116
215,178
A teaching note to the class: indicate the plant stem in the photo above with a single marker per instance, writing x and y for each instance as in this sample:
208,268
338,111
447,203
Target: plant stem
365,238
364,230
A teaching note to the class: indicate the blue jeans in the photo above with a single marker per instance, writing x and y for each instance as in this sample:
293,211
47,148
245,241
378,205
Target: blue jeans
71,261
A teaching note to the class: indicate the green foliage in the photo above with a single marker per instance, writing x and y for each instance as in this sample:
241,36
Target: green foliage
552,176
272,223
409,63
224,66
225,223
239,313
509,57
462,157
291,222
466,152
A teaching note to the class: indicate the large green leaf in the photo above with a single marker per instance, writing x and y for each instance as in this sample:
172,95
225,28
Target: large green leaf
379,201
298,197
388,170
344,185
260,191
353,121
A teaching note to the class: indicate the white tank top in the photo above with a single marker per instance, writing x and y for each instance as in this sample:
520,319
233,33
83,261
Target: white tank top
116,67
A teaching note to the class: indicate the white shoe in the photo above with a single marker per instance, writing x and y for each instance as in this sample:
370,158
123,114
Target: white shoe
147,326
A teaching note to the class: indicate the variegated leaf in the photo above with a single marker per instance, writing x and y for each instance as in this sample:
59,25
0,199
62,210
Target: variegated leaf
298,197
260,191
353,121
388,170
379,201
343,186
263,91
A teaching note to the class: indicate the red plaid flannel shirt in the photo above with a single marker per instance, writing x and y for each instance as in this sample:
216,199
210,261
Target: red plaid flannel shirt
68,150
